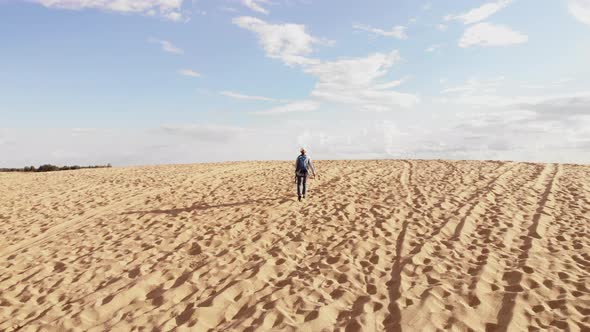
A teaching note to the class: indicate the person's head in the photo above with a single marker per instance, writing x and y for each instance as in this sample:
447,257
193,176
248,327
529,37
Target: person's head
302,150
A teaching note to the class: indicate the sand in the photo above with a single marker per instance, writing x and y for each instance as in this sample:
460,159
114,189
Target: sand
377,245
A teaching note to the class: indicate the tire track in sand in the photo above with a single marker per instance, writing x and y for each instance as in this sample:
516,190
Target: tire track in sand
485,237
472,213
393,321
514,277
77,223
457,232
394,291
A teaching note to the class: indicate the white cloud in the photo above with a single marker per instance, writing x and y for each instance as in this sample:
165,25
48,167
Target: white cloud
550,130
480,13
174,16
473,86
356,72
357,82
481,94
173,143
433,48
391,84
167,46
228,9
555,84
398,32
497,93
255,5
580,9
535,126
442,27
361,139
236,95
169,9
189,72
294,107
427,6
558,106
487,34
288,42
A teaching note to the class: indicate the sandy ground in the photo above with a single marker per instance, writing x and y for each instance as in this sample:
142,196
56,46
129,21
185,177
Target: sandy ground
378,245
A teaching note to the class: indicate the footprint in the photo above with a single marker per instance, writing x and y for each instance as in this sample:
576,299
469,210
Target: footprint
556,304
473,301
185,315
342,278
312,315
374,259
337,293
108,299
512,277
331,260
134,273
377,306
59,267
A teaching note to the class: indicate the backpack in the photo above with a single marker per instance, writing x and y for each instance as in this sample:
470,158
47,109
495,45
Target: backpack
301,165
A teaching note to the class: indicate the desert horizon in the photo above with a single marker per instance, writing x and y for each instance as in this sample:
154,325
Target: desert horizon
376,245
109,165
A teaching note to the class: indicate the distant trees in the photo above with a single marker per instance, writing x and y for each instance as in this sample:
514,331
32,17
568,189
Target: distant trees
47,168
51,168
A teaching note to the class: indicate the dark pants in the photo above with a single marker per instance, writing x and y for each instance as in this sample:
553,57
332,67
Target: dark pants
301,181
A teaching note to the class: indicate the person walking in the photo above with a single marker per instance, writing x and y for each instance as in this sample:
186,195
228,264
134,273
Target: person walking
302,167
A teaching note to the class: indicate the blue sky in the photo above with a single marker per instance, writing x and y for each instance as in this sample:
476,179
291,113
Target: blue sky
167,81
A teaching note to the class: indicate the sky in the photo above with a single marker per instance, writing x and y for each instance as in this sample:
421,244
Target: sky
138,82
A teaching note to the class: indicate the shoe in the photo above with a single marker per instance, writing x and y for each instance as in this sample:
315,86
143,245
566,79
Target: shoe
299,198
304,196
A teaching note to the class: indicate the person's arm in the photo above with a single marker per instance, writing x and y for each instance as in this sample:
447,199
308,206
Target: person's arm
310,165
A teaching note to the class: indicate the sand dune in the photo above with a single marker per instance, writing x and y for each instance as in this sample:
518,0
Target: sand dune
378,245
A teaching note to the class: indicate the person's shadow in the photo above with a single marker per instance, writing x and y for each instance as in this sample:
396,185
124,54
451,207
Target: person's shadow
206,206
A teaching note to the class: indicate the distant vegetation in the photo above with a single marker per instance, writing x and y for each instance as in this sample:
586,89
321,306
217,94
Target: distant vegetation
50,168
